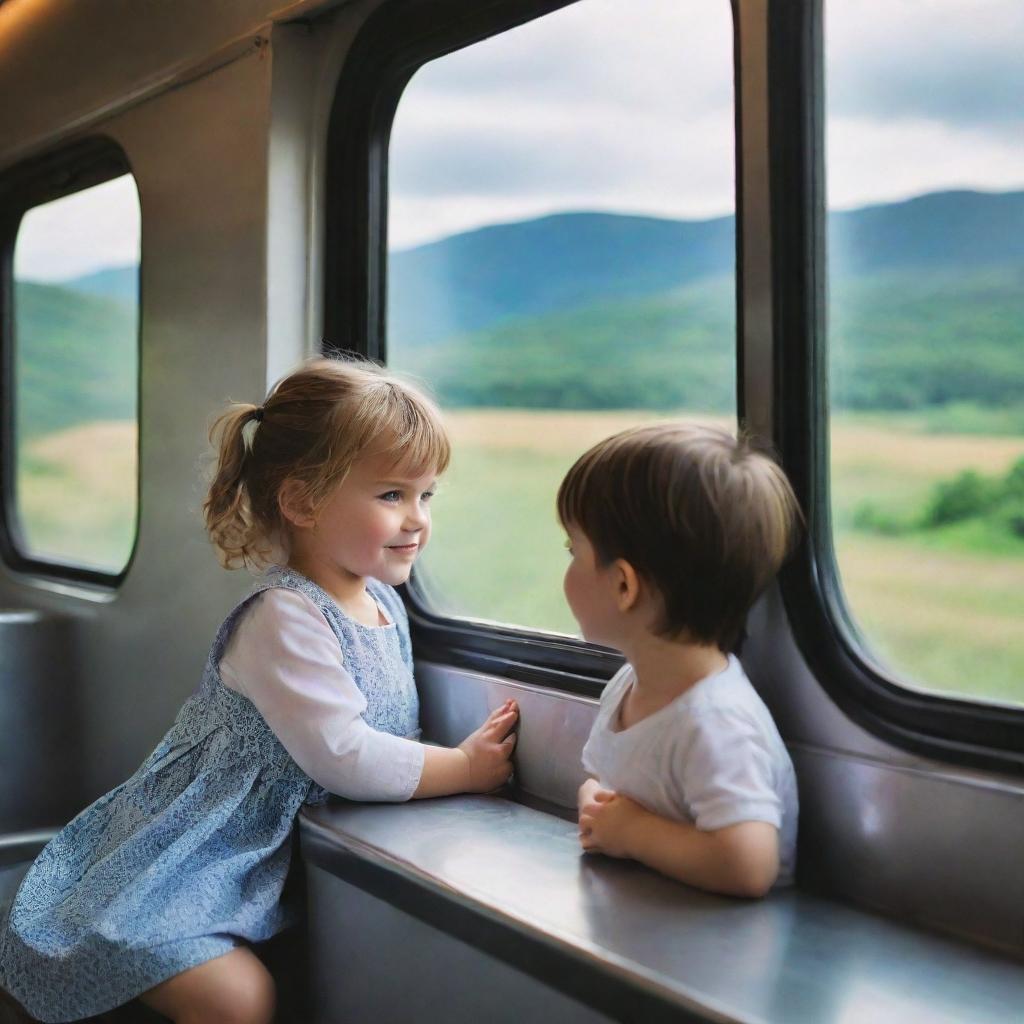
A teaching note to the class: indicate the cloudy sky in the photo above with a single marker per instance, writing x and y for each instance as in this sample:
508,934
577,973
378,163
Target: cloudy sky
626,105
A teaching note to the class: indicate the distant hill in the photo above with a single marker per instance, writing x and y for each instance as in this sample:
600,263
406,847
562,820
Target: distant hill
565,261
592,311
911,338
481,278
899,340
77,359
943,229
120,283
672,350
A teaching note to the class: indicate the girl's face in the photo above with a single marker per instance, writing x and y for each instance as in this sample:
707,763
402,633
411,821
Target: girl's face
375,523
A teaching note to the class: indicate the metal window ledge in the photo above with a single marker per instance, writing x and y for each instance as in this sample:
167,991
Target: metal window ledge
511,882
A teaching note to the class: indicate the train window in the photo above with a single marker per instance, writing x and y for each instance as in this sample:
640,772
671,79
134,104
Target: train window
561,264
925,166
73,381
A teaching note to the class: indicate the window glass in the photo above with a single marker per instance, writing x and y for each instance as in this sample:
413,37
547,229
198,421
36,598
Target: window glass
75,377
561,265
925,161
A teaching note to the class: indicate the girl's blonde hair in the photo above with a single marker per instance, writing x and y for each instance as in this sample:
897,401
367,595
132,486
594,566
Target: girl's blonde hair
312,427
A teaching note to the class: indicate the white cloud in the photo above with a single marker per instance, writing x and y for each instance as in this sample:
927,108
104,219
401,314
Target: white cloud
871,161
97,227
608,106
598,106
957,61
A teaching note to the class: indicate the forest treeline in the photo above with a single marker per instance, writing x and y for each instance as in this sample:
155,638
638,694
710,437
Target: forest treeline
899,340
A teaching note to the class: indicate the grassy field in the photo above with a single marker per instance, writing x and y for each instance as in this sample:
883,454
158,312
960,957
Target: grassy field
945,609
76,495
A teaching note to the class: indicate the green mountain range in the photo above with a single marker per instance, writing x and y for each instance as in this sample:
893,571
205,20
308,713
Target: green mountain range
592,311
76,358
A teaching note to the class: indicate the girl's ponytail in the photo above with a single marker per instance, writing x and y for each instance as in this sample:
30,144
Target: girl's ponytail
227,508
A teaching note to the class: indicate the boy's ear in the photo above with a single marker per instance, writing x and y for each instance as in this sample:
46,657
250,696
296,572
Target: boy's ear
294,504
627,585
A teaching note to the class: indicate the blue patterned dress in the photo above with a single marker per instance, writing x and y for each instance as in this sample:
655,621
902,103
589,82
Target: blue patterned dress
188,858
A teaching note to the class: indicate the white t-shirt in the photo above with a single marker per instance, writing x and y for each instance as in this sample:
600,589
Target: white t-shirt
285,658
712,757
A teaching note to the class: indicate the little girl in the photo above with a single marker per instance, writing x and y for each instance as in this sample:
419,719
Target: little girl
157,889
674,531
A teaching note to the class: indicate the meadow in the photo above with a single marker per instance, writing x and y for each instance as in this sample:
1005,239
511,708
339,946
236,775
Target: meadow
942,607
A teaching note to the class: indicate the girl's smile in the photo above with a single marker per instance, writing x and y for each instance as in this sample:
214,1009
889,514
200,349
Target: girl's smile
404,549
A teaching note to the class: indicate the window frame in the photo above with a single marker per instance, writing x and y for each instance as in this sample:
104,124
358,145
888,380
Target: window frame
396,40
951,729
62,172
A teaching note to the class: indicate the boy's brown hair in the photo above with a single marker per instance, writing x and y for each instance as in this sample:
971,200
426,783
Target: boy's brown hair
703,517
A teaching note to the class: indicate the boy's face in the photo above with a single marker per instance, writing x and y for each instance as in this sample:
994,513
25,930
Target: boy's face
591,592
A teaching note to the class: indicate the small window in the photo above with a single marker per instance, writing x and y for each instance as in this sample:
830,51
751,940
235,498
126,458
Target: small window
561,265
925,164
74,379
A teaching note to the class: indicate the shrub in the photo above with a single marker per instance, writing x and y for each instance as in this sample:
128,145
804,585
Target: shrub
869,518
967,495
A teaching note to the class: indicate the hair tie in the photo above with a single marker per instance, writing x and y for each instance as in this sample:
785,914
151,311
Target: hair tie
257,414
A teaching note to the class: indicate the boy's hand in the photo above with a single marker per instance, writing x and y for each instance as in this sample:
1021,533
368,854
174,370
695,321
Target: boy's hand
586,793
489,749
606,822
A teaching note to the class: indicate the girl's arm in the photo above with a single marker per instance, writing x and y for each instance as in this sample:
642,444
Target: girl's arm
738,860
284,657
477,765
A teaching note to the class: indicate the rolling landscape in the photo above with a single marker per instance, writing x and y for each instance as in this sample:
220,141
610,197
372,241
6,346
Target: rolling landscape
540,337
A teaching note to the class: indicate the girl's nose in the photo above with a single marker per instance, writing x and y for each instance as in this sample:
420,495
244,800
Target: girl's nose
415,520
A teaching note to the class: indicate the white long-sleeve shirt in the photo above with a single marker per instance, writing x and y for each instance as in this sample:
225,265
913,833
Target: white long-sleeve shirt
285,658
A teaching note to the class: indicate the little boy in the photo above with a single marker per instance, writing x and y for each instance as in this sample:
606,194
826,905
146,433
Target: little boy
674,530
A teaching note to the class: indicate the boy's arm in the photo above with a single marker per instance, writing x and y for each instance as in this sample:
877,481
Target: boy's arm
738,860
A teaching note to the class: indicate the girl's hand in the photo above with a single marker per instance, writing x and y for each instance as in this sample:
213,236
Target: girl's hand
606,822
489,749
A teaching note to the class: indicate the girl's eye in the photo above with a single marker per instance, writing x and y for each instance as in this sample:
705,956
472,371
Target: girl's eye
427,495
391,496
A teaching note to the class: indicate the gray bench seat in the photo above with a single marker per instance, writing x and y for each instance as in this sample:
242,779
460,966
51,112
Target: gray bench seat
612,939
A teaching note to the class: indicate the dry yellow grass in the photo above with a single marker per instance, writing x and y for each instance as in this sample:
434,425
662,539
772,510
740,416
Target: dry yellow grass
99,456
103,453
855,445
76,493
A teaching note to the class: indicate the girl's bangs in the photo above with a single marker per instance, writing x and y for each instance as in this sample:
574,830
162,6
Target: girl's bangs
419,440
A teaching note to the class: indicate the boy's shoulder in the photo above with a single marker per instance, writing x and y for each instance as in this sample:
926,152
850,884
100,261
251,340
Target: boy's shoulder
725,691
728,707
